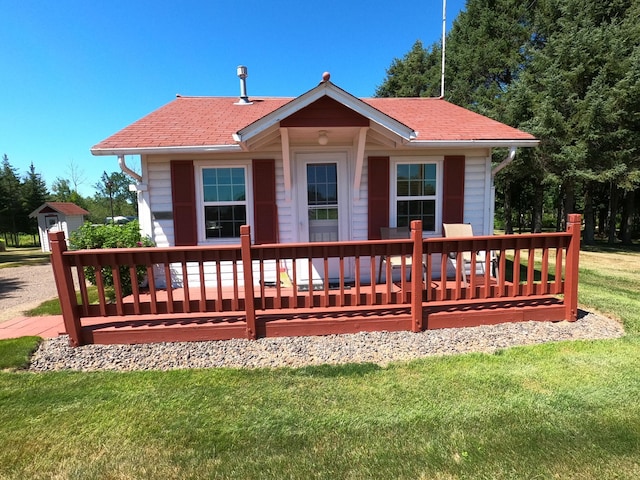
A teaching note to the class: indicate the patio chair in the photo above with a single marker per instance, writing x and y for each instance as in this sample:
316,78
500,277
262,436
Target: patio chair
465,230
389,233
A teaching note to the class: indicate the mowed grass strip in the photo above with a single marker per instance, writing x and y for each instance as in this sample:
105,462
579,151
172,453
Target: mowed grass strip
566,410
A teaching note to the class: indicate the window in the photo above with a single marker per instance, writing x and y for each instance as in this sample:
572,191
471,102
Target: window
416,194
225,201
322,191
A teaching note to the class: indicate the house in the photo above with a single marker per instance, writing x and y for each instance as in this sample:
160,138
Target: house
57,216
323,166
267,214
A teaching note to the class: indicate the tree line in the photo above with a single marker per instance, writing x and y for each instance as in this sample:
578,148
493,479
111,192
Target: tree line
567,71
21,195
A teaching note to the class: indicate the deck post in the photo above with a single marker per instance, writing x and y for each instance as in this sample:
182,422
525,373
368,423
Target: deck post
416,276
574,222
66,289
247,270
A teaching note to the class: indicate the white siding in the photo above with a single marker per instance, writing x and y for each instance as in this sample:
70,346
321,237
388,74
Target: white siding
159,185
476,209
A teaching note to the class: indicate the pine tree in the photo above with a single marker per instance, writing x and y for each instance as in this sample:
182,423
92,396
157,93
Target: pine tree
34,194
10,205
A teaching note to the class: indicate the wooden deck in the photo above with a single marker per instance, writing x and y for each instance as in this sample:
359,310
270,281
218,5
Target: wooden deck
536,280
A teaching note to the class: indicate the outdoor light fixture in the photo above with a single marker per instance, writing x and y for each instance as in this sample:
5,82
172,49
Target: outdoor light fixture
322,137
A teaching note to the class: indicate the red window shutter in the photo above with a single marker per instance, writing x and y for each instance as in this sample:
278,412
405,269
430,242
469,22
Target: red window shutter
183,196
265,210
378,209
453,189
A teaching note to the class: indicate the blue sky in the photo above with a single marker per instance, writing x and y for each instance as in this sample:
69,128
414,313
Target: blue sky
73,72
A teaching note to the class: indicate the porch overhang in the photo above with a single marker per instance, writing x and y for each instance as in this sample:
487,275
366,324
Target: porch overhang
270,123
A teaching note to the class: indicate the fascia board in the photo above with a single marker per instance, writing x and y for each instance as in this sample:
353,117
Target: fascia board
165,150
473,143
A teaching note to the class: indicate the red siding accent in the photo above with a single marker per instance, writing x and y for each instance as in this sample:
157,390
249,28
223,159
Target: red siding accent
325,112
183,196
378,210
453,189
265,210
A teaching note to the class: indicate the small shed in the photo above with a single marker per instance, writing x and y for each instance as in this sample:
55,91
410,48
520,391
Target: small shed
57,217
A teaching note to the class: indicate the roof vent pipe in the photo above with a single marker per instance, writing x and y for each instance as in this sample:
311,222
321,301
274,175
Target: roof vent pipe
242,75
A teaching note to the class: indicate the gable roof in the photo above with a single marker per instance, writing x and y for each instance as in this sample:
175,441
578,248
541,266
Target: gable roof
64,208
200,124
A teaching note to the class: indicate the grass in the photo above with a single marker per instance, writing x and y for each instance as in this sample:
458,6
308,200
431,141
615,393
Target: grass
16,353
561,410
17,257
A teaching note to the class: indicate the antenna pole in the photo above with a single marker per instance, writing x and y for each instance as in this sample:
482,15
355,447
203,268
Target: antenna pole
444,31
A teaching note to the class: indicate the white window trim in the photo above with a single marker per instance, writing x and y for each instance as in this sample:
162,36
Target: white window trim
199,167
393,191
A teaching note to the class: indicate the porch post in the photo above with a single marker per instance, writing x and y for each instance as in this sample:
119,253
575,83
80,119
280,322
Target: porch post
247,270
416,276
66,289
571,268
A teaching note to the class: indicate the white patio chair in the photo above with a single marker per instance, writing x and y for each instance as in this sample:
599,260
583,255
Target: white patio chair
465,230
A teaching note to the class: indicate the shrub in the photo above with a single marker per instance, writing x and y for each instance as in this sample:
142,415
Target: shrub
111,236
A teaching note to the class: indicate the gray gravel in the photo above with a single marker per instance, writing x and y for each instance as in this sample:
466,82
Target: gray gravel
377,347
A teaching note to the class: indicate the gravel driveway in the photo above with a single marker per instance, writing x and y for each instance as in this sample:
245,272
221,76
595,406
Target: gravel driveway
24,288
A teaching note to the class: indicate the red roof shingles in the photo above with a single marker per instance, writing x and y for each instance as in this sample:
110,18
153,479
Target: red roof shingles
208,121
65,208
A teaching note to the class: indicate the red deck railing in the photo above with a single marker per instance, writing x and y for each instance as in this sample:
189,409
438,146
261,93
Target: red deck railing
199,293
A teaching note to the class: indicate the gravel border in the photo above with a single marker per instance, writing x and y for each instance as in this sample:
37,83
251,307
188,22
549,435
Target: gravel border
374,347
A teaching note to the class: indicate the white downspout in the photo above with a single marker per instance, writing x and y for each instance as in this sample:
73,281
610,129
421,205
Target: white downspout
145,217
123,166
507,160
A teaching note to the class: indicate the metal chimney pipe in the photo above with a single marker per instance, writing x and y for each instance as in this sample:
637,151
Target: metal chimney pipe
242,75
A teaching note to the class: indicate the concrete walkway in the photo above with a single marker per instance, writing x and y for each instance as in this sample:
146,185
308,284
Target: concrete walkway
45,327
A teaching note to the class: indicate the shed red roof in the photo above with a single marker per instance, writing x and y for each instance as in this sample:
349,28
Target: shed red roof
209,121
65,208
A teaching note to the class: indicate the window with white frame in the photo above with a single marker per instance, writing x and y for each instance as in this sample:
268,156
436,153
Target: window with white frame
416,187
224,192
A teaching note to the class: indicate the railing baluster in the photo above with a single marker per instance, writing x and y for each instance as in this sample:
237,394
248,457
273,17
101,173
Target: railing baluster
185,286
516,271
203,286
117,285
167,279
544,280
101,292
152,288
531,268
235,303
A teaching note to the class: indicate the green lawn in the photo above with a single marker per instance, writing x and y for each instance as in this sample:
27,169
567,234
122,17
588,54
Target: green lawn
15,257
563,410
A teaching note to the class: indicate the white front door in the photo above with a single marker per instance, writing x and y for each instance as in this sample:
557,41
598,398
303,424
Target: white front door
323,195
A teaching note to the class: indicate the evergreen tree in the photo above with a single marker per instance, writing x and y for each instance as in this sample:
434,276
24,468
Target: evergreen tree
10,205
577,96
34,194
567,71
417,74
